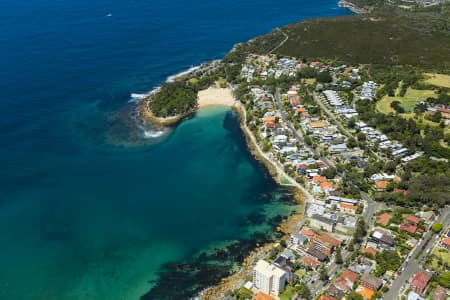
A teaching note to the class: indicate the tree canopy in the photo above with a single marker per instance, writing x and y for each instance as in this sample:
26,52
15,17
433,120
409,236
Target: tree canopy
174,98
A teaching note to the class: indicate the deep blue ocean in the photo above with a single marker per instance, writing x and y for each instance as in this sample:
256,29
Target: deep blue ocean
91,208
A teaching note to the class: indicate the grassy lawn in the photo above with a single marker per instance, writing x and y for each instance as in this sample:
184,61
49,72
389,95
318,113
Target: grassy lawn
300,273
284,180
310,81
287,293
437,79
422,122
407,102
444,256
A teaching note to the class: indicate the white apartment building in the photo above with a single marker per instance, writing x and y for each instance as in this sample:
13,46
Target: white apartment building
268,278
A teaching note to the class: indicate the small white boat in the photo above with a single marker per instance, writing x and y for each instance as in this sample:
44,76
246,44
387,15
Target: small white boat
109,15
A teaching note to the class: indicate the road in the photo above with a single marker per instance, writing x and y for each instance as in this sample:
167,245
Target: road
337,122
371,208
280,170
298,134
412,265
331,116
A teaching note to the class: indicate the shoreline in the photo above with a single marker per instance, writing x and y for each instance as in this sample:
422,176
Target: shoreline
216,96
287,226
352,7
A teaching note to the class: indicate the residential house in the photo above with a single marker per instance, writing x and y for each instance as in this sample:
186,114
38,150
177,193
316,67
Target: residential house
348,208
321,222
262,296
326,297
362,265
445,243
427,216
333,149
445,112
316,253
384,219
345,282
365,292
419,282
334,291
381,185
440,293
413,220
371,282
317,126
308,232
311,261
382,238
414,296
268,278
408,227
325,243
299,239
369,250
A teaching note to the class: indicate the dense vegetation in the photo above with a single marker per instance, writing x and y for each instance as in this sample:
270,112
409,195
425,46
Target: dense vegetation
405,131
174,98
387,36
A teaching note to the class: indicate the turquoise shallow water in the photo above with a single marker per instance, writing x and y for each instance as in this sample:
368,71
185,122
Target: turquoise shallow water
90,208
97,238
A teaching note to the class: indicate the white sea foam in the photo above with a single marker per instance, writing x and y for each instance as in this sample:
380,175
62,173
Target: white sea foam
149,134
190,70
137,97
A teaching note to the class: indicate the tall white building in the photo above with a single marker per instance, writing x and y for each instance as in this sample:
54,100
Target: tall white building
268,278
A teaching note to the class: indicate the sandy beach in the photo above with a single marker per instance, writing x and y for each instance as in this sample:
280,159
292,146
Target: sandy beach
216,96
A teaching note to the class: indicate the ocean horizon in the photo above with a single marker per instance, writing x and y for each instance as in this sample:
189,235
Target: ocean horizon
94,206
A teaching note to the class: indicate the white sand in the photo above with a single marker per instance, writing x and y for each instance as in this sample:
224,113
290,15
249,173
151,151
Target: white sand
216,96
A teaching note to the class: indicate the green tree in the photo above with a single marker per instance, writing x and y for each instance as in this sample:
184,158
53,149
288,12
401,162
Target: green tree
444,279
437,227
338,257
354,296
303,290
324,77
323,275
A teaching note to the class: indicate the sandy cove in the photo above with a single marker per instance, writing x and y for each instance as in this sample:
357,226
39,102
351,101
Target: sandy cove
216,96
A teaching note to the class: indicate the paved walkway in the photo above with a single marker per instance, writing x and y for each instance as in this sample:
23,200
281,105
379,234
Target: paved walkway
278,168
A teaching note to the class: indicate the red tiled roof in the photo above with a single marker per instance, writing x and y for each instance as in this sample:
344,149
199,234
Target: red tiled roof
319,179
308,232
400,191
316,124
440,293
444,110
348,206
342,284
327,185
381,184
349,275
420,280
413,219
262,296
408,227
325,297
330,239
310,261
370,250
384,219
446,241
